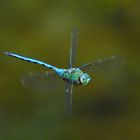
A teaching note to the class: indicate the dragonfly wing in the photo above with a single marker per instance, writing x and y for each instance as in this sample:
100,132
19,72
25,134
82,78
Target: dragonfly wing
41,81
103,64
69,87
73,48
68,97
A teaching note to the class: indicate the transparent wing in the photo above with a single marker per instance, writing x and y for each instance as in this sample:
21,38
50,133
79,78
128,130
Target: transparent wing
68,97
69,87
41,81
103,64
73,48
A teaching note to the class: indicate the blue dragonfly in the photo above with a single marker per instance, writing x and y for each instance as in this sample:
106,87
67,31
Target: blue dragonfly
71,75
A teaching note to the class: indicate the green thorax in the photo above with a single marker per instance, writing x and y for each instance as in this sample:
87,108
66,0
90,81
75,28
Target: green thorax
72,74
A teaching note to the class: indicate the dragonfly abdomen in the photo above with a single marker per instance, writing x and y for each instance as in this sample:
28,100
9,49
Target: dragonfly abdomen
32,60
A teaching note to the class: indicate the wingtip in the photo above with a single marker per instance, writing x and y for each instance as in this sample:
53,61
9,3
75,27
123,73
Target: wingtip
120,59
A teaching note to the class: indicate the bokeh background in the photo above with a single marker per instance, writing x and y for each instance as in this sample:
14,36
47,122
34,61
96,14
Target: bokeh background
106,109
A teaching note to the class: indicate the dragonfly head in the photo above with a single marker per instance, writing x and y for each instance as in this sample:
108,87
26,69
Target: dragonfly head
85,78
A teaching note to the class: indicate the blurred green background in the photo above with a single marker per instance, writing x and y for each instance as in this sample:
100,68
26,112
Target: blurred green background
106,109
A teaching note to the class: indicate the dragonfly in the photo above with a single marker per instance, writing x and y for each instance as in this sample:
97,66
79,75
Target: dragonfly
72,76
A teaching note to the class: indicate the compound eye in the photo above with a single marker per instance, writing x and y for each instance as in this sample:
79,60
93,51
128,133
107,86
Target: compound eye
83,78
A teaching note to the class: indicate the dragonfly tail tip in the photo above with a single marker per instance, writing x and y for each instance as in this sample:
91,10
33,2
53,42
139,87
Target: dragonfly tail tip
6,53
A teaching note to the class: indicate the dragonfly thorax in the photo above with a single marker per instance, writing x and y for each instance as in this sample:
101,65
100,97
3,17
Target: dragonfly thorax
76,76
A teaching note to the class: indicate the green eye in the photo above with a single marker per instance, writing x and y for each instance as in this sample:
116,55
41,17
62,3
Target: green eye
85,79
